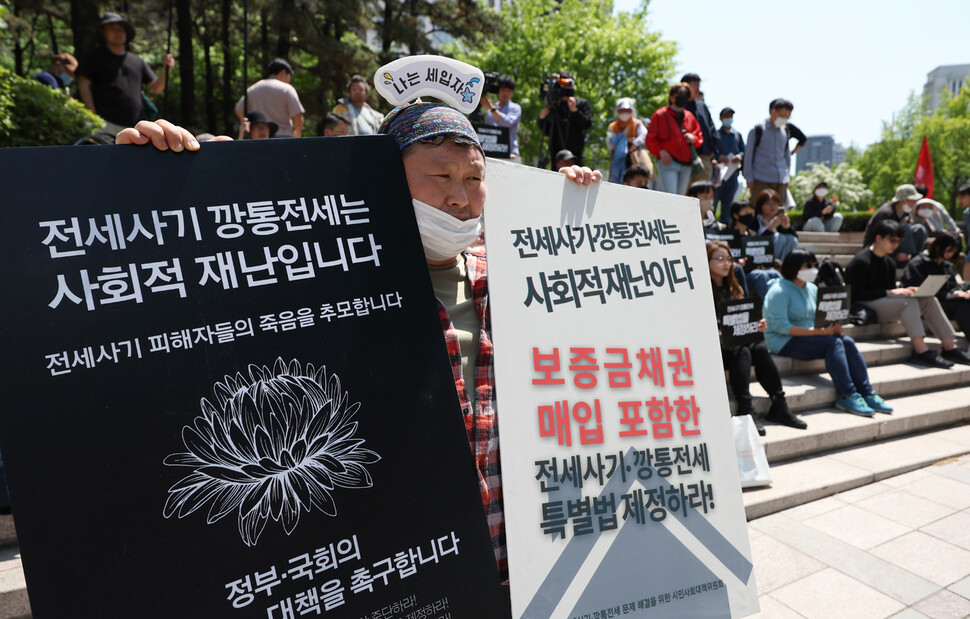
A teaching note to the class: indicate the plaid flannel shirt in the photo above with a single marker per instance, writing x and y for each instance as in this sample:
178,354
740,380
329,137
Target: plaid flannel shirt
481,424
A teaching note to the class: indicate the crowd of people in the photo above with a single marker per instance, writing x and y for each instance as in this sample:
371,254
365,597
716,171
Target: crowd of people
692,157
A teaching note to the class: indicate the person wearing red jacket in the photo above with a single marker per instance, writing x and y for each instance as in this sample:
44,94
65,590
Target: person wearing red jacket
670,134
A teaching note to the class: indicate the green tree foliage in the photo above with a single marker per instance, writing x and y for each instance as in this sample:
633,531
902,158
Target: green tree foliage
34,114
844,181
610,55
891,161
326,41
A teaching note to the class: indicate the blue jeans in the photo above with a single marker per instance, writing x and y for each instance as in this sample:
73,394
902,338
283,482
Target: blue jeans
842,359
783,243
674,177
832,224
724,196
758,281
914,239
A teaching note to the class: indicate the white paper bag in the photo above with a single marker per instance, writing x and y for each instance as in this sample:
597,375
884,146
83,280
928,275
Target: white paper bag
752,461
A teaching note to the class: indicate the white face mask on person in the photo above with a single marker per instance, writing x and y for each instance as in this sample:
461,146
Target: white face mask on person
442,235
907,208
821,192
780,122
625,116
925,212
808,275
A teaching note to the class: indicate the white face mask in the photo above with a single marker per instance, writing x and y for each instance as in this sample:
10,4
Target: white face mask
907,208
821,192
924,212
625,116
808,275
442,235
780,122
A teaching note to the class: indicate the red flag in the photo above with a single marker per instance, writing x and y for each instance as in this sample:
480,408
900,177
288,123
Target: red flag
924,169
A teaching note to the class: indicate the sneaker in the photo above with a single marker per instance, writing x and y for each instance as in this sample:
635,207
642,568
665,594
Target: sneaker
877,404
855,404
931,358
779,413
956,356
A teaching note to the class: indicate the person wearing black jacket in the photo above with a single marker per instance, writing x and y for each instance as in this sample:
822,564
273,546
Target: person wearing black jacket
697,107
819,213
953,297
566,124
872,275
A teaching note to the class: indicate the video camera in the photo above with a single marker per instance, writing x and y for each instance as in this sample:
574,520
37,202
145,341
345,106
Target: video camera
555,87
491,83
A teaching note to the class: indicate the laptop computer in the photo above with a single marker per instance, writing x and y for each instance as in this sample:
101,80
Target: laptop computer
931,285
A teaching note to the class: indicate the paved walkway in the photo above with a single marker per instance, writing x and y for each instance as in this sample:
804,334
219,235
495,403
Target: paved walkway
896,548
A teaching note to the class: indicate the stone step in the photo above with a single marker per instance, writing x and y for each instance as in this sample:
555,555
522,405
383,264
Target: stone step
8,535
13,588
811,392
818,237
800,481
829,249
830,429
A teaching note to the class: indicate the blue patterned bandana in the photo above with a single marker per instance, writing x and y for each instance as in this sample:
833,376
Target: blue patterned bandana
417,121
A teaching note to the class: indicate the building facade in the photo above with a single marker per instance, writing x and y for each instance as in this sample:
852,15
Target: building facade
950,77
819,149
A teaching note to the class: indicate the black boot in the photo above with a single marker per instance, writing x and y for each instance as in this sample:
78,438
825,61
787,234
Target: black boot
779,413
745,407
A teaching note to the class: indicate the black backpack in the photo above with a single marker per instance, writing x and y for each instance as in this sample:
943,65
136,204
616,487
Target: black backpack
830,273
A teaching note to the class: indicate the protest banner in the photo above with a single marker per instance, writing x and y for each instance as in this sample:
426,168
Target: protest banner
731,237
496,141
228,393
622,495
833,307
759,250
738,320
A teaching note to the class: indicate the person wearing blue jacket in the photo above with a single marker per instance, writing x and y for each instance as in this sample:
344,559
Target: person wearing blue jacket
789,308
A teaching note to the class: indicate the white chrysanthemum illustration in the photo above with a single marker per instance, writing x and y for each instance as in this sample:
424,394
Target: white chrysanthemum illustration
276,443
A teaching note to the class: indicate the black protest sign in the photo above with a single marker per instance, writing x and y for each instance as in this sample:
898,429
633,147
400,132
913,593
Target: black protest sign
495,141
228,390
759,250
738,320
732,239
833,303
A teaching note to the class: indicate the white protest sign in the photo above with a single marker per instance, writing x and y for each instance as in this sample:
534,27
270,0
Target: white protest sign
620,478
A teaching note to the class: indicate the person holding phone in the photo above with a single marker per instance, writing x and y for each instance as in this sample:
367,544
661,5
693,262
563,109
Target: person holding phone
773,221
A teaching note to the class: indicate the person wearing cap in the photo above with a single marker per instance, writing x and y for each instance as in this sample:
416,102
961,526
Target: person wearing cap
110,78
364,120
730,148
872,275
506,113
819,213
933,216
625,140
564,159
708,150
275,97
899,209
258,127
61,74
445,169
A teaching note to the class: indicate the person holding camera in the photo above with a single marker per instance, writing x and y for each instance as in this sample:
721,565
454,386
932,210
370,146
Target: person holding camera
565,118
506,113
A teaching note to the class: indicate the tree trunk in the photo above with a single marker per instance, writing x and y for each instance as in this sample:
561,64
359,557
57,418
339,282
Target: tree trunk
186,63
211,113
264,37
227,98
285,31
84,25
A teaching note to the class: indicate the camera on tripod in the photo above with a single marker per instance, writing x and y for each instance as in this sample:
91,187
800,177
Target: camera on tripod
555,87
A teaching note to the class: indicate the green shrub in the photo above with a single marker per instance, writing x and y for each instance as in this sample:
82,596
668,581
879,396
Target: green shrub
34,114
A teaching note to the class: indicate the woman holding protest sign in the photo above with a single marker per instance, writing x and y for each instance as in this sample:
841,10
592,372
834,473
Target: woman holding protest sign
739,359
445,169
790,311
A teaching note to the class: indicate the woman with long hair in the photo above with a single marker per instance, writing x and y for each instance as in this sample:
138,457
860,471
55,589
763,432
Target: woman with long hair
739,359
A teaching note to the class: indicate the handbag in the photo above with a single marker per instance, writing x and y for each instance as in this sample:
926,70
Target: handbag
641,158
752,461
